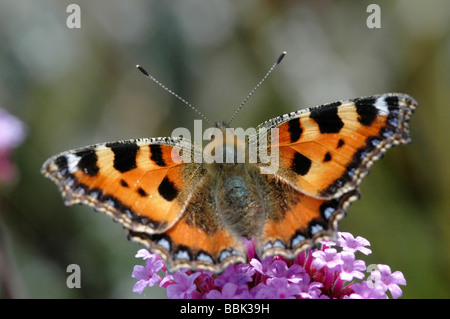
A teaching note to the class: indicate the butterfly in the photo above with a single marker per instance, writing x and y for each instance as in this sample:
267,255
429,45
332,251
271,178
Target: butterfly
195,214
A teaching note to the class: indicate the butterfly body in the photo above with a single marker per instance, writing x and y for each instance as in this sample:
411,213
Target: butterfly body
194,213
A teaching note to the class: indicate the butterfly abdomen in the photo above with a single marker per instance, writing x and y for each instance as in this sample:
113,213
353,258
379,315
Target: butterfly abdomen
240,205
237,192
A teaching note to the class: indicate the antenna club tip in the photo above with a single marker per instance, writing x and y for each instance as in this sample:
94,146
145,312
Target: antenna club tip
281,57
140,68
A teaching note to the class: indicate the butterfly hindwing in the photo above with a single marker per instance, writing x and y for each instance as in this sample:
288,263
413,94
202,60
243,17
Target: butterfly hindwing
298,221
199,239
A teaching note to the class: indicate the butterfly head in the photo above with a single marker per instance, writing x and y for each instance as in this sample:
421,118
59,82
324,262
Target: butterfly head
224,146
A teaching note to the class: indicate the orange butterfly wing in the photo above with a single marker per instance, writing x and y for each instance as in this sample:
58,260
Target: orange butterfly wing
199,239
145,185
325,151
300,221
137,182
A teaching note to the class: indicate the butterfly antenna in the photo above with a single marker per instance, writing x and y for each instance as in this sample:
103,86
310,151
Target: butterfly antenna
257,86
151,77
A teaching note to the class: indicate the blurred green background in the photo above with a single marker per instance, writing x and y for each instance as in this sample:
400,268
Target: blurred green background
76,87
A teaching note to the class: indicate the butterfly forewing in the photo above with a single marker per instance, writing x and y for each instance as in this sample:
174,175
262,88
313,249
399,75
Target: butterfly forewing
325,151
137,182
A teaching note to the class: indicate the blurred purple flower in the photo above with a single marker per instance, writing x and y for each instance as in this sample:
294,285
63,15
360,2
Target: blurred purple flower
12,134
237,274
327,258
277,288
348,242
350,268
364,290
389,281
229,291
277,268
184,286
310,290
147,275
12,130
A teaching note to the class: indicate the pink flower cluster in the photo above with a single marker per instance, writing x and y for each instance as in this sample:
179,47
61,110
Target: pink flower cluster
329,272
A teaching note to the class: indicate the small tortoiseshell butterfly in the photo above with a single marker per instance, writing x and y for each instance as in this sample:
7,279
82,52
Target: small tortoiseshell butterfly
195,214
